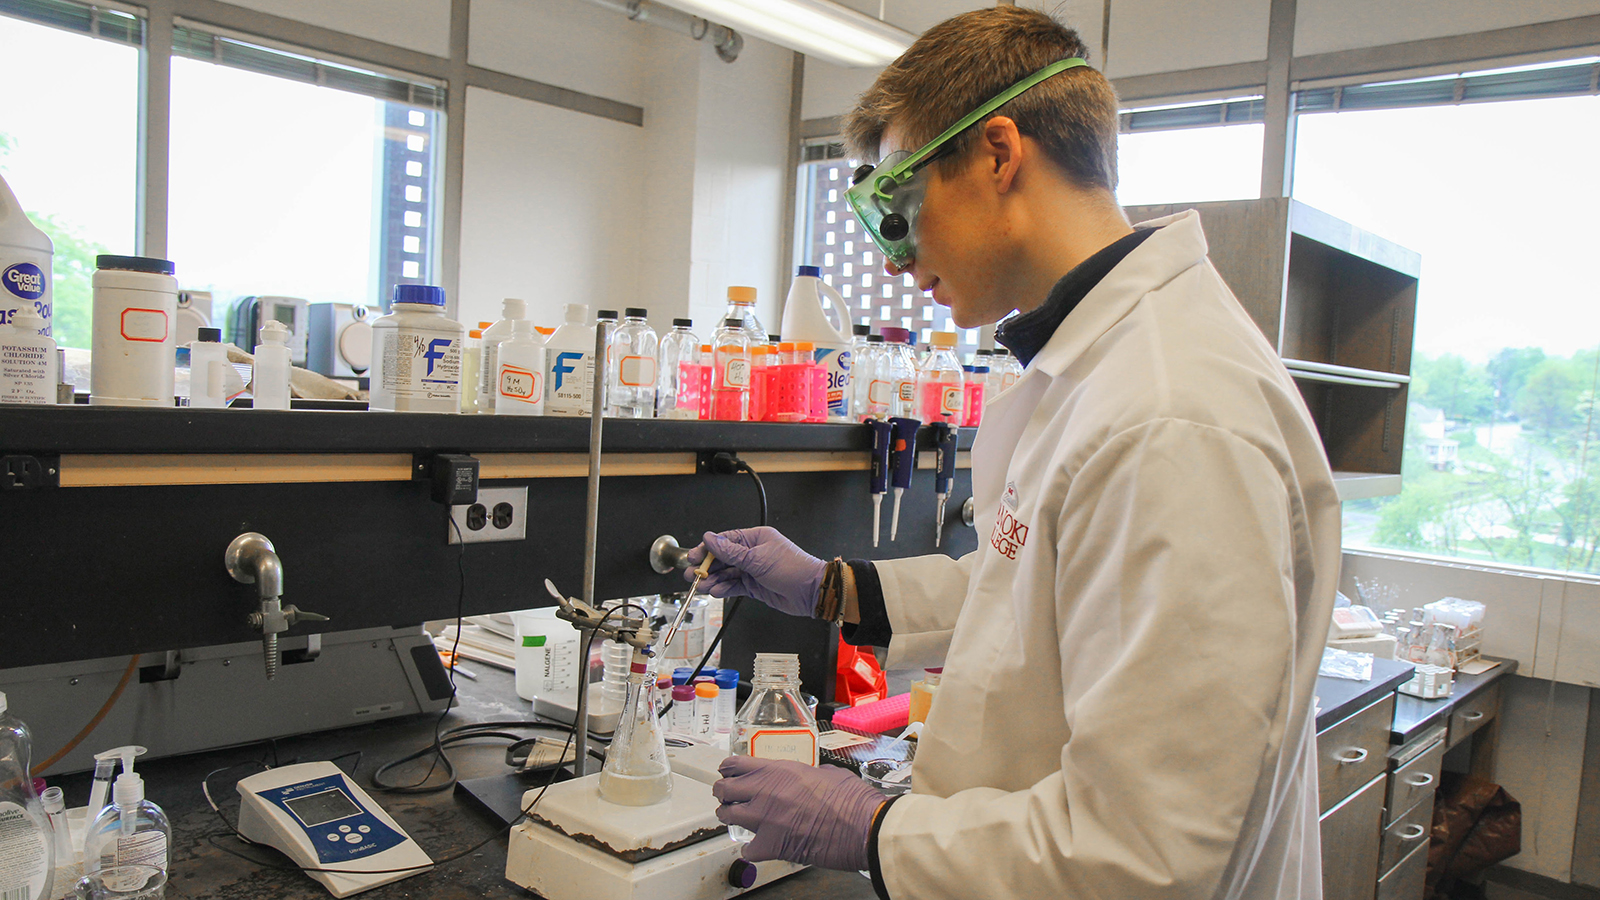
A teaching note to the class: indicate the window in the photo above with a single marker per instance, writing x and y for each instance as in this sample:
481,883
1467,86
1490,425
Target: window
850,262
1190,154
299,177
69,140
1498,197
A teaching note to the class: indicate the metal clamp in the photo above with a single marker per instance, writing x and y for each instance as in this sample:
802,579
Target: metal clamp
1353,756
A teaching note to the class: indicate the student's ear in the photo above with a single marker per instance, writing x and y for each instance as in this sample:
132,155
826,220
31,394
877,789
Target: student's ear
1001,150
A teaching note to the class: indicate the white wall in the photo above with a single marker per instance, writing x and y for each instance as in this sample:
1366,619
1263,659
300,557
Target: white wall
568,43
421,25
551,200
1543,771
1322,26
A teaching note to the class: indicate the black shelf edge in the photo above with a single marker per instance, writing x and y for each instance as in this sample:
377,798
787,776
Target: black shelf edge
102,429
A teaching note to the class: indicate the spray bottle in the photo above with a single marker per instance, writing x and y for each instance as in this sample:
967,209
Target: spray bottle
132,830
25,260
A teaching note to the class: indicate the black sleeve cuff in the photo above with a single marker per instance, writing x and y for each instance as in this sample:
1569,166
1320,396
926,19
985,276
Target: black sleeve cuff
873,866
874,629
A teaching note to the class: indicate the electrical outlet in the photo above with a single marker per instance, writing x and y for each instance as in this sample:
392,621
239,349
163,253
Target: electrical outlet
501,514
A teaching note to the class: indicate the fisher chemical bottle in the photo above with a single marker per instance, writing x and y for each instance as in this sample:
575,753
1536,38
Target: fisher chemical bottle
25,259
742,306
631,367
416,364
900,371
511,309
208,370
519,383
135,307
569,362
28,361
27,844
636,772
814,312
269,376
941,387
678,360
132,831
869,390
730,375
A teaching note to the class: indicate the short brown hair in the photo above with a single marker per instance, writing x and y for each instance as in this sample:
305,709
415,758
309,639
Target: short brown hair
957,65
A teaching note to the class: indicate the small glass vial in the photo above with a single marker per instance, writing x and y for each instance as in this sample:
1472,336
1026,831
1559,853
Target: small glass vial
730,376
678,361
705,710
940,384
775,722
631,367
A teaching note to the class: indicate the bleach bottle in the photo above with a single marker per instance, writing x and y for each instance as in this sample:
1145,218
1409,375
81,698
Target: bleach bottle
815,312
25,259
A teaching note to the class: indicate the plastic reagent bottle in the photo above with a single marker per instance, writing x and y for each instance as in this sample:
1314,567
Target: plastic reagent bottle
636,772
814,312
519,381
135,311
864,374
132,830
742,306
28,365
775,722
511,309
730,376
27,846
678,393
727,699
416,354
208,371
26,253
977,378
569,365
900,371
68,864
269,377
631,367
940,383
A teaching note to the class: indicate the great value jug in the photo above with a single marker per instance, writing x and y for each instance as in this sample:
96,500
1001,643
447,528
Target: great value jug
814,312
25,259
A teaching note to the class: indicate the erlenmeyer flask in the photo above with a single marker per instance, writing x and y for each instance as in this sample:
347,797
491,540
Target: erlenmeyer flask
636,772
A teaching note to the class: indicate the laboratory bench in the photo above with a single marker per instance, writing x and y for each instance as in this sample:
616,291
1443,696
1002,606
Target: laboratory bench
443,823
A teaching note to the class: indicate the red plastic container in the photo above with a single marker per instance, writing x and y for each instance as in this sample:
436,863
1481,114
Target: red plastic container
972,411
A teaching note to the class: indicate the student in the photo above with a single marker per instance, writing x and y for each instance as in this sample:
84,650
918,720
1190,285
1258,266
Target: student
1129,656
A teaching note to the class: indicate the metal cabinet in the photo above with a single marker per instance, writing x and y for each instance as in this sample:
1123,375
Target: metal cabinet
1408,815
1350,843
1352,781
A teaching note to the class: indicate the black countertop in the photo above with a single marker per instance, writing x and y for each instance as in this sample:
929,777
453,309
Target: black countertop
1339,697
1413,715
442,823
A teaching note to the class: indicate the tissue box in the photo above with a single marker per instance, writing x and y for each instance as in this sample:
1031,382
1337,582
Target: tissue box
1382,645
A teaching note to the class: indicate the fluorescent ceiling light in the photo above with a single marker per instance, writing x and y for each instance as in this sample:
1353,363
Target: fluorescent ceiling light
819,28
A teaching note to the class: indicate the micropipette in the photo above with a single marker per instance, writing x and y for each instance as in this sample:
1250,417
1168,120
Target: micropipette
944,448
903,459
881,437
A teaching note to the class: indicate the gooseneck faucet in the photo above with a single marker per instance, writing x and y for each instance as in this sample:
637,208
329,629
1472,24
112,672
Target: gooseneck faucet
251,559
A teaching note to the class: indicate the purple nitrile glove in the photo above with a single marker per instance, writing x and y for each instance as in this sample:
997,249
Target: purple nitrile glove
760,563
812,815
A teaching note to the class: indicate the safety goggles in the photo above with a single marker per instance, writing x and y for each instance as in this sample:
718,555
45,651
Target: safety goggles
886,197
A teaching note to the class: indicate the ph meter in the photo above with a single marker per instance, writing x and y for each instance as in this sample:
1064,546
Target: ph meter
328,826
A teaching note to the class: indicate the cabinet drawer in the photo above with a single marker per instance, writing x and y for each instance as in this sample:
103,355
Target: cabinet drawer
1352,751
1407,880
1350,844
1404,834
1413,782
1474,714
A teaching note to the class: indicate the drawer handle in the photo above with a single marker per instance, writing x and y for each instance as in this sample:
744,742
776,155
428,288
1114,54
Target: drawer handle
1353,756
1406,834
1472,716
1420,780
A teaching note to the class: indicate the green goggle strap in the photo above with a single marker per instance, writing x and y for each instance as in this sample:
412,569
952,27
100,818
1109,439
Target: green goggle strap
911,163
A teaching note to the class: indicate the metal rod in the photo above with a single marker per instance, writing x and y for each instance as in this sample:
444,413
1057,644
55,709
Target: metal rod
591,535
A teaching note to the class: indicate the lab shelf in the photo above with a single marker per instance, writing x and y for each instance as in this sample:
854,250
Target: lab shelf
1338,304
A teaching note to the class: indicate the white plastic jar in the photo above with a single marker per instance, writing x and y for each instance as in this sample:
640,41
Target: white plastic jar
416,358
135,310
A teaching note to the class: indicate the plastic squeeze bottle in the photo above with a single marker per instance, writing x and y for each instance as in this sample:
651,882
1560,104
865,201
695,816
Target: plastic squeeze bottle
132,830
569,365
27,844
269,378
519,383
511,309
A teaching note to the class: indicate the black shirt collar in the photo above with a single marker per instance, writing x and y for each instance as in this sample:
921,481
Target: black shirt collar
1026,334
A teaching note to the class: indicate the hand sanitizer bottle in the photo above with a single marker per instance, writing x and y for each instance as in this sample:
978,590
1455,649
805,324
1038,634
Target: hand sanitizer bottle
27,851
132,830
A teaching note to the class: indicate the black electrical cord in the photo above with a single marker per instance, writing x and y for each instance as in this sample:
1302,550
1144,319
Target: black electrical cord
761,489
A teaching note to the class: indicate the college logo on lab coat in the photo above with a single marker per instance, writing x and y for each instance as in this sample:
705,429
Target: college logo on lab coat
1009,535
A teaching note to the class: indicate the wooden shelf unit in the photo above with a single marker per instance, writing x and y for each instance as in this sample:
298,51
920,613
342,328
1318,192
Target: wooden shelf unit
1339,304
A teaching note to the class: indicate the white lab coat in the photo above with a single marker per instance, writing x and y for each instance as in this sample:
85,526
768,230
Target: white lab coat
1126,706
